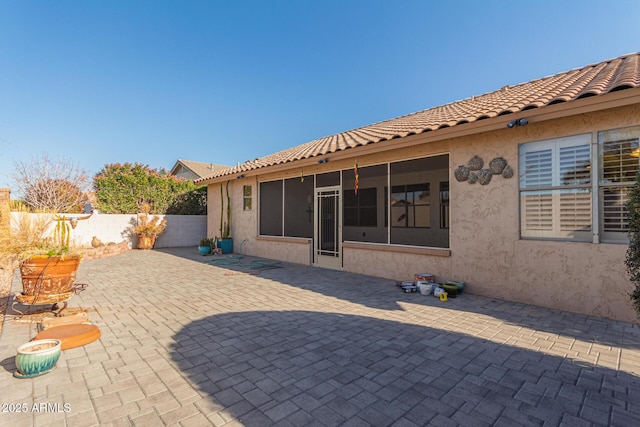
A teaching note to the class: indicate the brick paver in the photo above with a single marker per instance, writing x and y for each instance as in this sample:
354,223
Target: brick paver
187,343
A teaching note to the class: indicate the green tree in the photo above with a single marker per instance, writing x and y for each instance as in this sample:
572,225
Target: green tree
126,187
192,202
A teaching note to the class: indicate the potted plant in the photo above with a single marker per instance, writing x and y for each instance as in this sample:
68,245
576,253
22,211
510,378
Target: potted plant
52,268
48,265
148,228
225,243
205,246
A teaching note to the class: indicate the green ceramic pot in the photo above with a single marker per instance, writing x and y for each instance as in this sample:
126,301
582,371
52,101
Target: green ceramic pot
452,290
37,358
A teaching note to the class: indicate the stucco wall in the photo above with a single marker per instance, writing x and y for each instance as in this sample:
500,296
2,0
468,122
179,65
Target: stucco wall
243,223
485,249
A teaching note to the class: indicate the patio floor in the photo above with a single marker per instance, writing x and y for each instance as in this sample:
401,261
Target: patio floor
251,342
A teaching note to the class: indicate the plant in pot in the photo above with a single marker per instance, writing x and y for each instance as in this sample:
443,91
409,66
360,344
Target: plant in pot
205,246
148,228
225,243
48,265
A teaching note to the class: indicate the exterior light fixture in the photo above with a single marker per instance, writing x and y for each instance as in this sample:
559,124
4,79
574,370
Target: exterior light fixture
325,160
240,176
518,122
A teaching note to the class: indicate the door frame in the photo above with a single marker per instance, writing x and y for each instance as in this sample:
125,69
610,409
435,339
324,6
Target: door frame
320,259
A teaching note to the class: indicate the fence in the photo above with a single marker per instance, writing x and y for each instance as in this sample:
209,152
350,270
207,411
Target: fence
182,230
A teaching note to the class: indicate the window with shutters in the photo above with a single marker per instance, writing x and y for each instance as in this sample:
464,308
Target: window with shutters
555,189
619,155
558,197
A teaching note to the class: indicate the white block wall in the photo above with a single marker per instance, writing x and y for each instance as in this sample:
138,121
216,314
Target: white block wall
182,230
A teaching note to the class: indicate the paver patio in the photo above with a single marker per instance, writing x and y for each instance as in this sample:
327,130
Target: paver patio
191,344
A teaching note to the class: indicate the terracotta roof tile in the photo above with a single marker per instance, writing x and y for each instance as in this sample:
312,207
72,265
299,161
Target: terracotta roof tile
592,80
201,168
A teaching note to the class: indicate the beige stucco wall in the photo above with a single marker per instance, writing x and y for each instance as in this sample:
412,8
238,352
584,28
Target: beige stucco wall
485,249
244,225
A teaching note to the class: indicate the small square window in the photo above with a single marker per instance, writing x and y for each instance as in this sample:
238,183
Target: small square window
246,193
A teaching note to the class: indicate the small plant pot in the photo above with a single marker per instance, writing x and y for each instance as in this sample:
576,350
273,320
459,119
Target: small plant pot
426,288
146,242
37,358
204,250
458,284
451,290
226,245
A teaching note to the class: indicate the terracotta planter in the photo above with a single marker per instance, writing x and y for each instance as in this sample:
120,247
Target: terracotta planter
146,242
43,275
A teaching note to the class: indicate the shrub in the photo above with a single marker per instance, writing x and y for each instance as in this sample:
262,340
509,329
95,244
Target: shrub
633,252
149,226
126,188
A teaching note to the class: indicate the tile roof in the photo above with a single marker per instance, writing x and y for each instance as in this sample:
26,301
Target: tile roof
592,80
201,168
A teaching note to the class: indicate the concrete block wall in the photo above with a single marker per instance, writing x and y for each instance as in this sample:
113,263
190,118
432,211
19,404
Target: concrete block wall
182,230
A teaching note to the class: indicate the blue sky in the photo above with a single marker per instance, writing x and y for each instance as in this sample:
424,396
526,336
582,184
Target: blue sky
98,82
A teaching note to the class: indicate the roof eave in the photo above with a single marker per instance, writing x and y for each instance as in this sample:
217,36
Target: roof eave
565,109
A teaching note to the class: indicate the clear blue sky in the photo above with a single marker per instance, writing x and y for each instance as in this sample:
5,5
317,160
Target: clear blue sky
154,81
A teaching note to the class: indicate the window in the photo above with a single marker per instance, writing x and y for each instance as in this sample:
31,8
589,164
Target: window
364,213
619,153
560,196
555,188
271,208
444,205
410,206
361,210
286,207
413,210
246,193
298,207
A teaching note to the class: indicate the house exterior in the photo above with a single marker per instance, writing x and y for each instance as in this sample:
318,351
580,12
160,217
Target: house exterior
191,170
401,196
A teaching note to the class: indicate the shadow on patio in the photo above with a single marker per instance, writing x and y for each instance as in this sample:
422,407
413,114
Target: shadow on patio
380,293
300,366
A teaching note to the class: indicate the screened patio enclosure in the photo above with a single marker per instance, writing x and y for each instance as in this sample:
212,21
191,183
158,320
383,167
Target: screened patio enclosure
395,203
